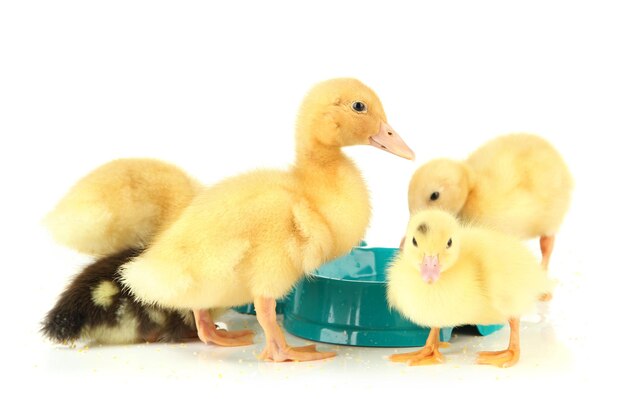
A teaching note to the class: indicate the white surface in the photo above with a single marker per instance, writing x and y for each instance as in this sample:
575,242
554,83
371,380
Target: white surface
215,87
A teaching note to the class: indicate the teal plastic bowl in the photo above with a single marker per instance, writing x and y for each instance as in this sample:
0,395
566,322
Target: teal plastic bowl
344,302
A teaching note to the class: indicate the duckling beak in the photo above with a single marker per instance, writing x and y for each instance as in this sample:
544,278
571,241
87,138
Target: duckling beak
388,140
430,269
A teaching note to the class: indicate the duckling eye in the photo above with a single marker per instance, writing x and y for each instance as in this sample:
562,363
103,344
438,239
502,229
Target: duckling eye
449,243
359,107
434,196
414,242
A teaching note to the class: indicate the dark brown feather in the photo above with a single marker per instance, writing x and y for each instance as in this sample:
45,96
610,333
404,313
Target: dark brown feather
75,311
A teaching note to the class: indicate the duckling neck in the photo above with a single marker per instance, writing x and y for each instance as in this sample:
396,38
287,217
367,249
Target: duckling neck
319,162
336,190
315,154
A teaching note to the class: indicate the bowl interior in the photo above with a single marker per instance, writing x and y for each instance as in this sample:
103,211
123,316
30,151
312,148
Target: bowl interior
362,264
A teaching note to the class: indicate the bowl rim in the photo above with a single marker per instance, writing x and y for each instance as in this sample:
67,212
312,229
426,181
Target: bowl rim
315,275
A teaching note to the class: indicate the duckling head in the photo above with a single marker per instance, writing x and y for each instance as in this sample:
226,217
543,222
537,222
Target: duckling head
440,183
432,243
344,112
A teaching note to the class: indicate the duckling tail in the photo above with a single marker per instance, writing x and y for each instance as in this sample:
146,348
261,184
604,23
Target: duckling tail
92,298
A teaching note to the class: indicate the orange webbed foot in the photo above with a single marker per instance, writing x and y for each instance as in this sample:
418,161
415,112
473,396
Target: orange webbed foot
207,332
296,354
428,355
505,358
276,348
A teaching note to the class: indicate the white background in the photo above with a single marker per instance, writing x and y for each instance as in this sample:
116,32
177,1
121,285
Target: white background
214,87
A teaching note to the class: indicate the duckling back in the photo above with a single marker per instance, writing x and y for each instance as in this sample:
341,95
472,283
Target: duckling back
121,205
522,186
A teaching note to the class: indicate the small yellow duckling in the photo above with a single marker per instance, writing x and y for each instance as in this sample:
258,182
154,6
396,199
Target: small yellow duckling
517,183
449,275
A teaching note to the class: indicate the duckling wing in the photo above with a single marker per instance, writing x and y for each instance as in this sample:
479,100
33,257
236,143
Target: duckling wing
513,277
314,234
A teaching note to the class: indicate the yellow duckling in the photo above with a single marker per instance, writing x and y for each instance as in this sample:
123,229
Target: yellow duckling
251,237
517,183
122,204
449,275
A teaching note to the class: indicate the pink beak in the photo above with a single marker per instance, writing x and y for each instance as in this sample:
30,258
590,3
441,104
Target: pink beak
388,140
430,269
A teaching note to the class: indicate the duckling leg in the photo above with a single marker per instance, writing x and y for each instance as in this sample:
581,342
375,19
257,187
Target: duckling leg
505,358
547,245
276,347
429,354
207,332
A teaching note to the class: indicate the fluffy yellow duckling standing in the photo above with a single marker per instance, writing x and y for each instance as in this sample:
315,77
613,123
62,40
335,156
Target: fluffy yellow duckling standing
251,237
449,275
120,205
517,183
